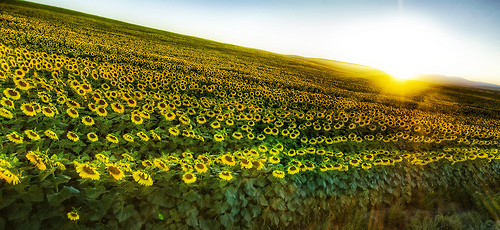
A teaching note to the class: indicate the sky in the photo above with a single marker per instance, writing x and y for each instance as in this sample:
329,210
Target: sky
402,37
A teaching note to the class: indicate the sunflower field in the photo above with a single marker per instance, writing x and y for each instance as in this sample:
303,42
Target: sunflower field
107,125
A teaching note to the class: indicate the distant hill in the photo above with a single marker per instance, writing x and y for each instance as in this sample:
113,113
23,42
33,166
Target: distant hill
355,70
457,81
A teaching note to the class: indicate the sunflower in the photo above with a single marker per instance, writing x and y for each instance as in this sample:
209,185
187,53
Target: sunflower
19,73
117,107
262,148
11,94
28,109
225,175
184,120
51,134
35,160
237,135
5,66
88,121
292,170
257,164
115,171
128,137
72,136
186,167
6,113
188,178
15,137
37,107
48,112
59,166
73,215
143,136
131,103
22,84
274,152
87,171
145,114
278,174
32,135
200,167
354,162
228,160
7,103
136,119
218,137
142,178
160,164
72,112
101,112
72,104
174,131
366,165
101,103
201,120
92,107
92,137
323,168
215,125
245,163
111,138
147,163
61,99
154,135
261,137
8,176
274,160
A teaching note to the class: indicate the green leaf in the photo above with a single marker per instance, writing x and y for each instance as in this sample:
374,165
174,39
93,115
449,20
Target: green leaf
19,211
285,218
183,205
256,210
123,214
44,174
221,207
263,201
280,191
205,224
192,219
2,223
49,213
33,194
275,218
147,190
226,220
278,204
56,198
232,200
246,214
191,196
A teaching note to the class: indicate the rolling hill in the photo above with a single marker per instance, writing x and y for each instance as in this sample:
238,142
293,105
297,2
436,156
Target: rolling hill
112,125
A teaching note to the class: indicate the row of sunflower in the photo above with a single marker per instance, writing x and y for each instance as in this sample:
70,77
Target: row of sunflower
212,139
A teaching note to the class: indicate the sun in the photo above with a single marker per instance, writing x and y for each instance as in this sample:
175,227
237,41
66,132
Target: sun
401,71
402,47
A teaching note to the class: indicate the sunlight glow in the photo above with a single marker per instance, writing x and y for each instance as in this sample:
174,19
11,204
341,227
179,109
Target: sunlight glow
404,47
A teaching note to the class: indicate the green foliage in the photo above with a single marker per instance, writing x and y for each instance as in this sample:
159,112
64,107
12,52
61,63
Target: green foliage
366,153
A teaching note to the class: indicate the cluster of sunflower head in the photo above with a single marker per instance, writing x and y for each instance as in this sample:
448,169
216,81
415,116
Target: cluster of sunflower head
166,106
7,174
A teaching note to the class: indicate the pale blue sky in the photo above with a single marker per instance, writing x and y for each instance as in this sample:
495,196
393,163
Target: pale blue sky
450,37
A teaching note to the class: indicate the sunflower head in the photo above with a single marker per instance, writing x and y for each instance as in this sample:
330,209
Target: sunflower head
142,178
73,216
188,178
225,175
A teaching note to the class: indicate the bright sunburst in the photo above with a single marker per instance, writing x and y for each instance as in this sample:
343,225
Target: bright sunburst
403,47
